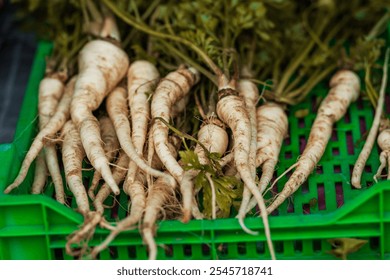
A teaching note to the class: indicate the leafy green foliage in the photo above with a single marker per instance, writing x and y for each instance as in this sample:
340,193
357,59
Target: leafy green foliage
227,188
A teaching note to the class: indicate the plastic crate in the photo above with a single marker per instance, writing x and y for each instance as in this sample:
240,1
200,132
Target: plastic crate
36,226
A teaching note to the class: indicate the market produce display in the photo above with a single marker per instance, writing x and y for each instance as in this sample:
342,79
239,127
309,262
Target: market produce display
183,106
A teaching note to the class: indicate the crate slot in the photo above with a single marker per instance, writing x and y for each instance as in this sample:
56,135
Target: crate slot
339,194
374,243
362,125
260,248
350,144
321,196
347,117
241,248
287,140
168,249
317,246
113,252
335,136
306,208
279,247
58,254
206,250
298,246
132,252
337,168
305,187
290,208
302,143
187,250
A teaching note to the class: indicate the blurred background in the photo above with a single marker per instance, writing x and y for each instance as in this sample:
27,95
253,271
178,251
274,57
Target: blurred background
17,49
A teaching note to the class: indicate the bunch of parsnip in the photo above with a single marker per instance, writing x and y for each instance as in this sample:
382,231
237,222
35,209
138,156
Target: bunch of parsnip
172,115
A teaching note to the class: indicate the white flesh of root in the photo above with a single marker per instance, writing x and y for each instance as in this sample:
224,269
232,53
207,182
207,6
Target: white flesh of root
175,86
231,110
344,89
50,92
366,151
272,126
161,193
215,139
118,111
72,156
40,174
110,147
142,78
384,143
249,92
101,66
56,122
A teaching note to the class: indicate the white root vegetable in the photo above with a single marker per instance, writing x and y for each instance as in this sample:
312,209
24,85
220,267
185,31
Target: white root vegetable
56,122
366,151
51,90
101,66
40,174
119,173
72,156
345,87
175,86
110,147
162,192
248,90
215,139
138,198
384,144
137,194
272,125
142,78
232,111
117,109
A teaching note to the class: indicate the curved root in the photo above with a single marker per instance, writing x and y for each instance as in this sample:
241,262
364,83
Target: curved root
385,160
83,235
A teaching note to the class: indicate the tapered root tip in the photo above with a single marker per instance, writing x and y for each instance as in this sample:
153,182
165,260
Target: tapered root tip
11,187
107,176
186,216
150,242
356,184
244,227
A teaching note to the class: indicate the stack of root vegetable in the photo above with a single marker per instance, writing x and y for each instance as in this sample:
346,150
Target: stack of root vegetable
133,126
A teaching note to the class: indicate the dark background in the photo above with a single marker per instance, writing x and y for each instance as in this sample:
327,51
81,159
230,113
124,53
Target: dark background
17,49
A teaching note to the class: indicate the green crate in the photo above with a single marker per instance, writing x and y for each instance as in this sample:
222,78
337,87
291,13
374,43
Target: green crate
36,226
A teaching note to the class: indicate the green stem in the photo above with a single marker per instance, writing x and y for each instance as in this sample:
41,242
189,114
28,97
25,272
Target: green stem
203,95
96,15
184,135
147,13
301,93
296,81
190,61
135,8
379,26
144,28
295,63
311,32
261,83
225,41
371,93
85,12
